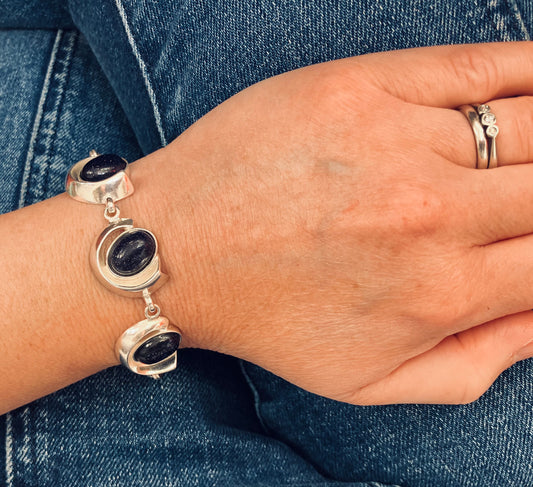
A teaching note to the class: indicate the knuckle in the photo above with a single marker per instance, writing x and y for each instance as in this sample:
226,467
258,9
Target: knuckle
477,67
416,211
336,102
335,89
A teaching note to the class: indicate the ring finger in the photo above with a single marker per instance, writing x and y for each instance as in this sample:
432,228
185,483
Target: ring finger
514,143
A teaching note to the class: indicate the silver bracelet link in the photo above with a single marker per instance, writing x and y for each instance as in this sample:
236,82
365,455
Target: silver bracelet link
125,260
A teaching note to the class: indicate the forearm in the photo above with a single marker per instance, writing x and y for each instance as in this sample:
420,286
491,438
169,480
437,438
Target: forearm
59,324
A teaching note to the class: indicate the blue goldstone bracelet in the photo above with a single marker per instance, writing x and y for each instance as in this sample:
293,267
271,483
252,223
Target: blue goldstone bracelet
126,261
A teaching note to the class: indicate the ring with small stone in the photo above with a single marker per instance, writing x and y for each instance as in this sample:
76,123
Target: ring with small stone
488,120
483,123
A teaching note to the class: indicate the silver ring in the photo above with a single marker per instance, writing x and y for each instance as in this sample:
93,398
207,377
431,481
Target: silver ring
488,120
471,114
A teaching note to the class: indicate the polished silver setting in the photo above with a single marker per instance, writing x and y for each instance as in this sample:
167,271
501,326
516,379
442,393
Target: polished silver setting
116,187
150,278
472,115
136,336
107,192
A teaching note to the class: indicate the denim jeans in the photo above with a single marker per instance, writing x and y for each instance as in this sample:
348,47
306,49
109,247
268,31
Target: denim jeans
128,76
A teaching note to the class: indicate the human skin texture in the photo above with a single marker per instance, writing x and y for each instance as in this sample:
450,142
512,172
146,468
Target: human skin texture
326,224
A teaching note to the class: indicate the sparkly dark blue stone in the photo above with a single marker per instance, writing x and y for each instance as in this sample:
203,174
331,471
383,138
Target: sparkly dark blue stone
102,167
131,253
158,348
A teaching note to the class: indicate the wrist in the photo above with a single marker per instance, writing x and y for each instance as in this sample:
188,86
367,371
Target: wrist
59,323
162,204
55,319
125,259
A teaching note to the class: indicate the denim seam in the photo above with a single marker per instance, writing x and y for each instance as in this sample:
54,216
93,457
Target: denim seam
62,82
144,71
20,454
501,20
46,135
38,119
45,466
257,402
257,399
25,443
518,17
9,450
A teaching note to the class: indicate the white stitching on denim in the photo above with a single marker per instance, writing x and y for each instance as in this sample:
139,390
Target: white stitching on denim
26,442
500,20
48,127
38,119
9,451
518,16
45,459
266,429
257,399
144,71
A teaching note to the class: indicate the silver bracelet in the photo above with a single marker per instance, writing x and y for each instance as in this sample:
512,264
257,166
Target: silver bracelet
125,260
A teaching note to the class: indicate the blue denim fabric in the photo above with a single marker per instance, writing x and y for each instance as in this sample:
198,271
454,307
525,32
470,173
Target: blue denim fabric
35,14
129,76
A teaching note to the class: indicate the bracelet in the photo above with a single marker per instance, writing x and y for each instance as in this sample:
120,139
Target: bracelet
125,260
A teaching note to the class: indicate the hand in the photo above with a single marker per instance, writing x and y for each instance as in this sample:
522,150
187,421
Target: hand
339,236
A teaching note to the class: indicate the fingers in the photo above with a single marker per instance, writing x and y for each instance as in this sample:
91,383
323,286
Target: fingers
495,281
504,278
449,76
495,204
459,369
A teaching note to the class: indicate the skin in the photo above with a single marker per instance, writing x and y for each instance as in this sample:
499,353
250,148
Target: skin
326,224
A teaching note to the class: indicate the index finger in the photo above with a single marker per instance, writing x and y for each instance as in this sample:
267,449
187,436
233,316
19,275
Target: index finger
449,76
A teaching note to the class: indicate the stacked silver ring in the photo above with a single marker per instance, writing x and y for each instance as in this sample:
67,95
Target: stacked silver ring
483,123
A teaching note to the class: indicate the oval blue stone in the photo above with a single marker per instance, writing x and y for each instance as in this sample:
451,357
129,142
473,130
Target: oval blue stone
158,348
131,253
102,167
